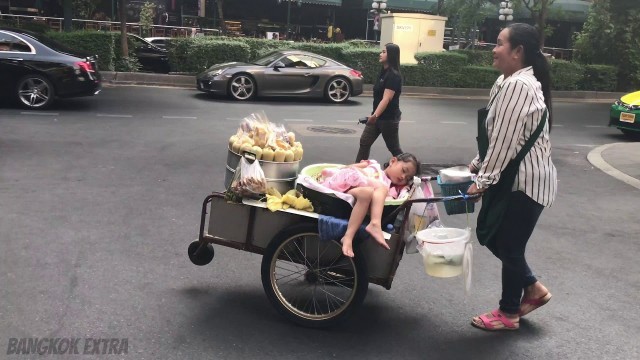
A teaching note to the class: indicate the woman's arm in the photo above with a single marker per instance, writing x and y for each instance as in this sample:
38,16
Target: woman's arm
382,106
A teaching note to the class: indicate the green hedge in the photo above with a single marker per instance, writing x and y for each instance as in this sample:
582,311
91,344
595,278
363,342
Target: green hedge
365,60
599,78
442,68
479,77
566,75
477,57
92,42
198,54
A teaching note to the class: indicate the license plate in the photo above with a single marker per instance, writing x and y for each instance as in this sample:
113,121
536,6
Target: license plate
627,117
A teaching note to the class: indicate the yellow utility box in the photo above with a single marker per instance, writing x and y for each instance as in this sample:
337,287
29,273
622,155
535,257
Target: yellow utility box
413,33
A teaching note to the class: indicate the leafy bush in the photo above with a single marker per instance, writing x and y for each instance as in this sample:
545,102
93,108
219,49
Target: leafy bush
443,68
92,42
599,78
479,77
333,51
477,57
197,54
364,60
414,75
565,75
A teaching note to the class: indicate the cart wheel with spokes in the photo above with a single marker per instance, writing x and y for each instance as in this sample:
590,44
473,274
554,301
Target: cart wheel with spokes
200,253
242,87
309,281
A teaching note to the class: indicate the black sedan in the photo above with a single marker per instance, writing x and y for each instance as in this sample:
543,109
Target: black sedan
283,73
151,57
35,70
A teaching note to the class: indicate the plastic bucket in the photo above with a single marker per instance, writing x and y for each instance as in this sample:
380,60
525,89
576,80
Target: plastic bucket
443,250
280,175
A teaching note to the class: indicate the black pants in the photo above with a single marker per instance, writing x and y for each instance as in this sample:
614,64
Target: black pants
389,131
511,241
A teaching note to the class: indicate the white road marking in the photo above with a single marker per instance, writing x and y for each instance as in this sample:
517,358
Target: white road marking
408,121
584,145
595,126
556,125
298,120
38,113
347,121
233,119
595,158
179,117
454,122
114,115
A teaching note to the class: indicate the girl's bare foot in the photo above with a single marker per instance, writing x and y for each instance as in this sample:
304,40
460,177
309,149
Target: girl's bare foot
375,230
347,247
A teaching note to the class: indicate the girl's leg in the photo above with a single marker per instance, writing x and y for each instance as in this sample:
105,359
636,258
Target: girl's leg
363,197
377,206
368,137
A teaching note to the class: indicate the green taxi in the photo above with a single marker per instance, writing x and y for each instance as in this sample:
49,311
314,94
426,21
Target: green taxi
625,114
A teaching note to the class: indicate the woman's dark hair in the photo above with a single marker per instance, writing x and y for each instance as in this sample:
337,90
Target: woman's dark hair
393,57
527,36
408,158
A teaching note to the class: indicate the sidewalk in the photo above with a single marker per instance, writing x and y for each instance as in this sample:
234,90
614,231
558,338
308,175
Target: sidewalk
620,160
189,82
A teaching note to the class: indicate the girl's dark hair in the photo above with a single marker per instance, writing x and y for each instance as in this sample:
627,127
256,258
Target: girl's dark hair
527,36
393,57
408,158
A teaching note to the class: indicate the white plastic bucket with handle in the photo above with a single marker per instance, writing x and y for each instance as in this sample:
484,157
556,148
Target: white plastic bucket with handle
443,250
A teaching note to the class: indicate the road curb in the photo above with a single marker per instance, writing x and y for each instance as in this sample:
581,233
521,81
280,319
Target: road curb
596,159
189,82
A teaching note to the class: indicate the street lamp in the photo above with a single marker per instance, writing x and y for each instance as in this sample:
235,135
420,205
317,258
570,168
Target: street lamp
377,7
506,12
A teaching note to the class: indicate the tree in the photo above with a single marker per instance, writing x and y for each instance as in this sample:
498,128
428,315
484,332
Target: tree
84,9
220,4
466,14
539,10
124,44
609,36
146,17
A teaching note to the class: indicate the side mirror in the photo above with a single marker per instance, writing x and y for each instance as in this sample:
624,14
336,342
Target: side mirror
278,65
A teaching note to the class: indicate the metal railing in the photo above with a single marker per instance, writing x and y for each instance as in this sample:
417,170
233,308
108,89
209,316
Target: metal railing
57,24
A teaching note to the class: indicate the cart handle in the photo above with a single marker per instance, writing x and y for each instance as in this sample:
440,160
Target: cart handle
407,204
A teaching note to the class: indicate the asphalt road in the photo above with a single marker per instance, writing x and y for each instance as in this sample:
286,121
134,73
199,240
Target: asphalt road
101,196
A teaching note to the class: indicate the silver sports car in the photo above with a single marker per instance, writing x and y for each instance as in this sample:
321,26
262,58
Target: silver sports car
283,73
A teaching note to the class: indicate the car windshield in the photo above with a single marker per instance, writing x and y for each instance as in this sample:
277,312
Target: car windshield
268,59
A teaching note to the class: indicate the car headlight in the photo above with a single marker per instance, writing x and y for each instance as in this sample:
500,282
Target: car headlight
618,102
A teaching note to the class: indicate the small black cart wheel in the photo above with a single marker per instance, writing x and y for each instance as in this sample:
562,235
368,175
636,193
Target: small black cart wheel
199,253
309,281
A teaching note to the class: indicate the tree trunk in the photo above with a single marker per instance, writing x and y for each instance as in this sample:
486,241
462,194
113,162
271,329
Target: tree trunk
542,20
123,29
221,16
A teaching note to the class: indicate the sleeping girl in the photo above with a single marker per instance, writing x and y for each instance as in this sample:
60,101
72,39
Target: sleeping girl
370,185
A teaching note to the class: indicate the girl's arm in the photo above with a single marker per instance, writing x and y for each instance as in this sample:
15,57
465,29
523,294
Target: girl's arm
382,106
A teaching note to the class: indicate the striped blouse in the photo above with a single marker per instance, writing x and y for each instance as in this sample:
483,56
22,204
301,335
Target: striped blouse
514,115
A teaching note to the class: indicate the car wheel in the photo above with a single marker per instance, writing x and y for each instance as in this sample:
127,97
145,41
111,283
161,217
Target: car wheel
338,90
242,87
35,92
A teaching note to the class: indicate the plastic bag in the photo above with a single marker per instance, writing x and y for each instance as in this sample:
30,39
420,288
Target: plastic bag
249,179
421,216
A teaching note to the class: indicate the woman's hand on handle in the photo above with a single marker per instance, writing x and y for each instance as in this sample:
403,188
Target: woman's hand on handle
473,190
